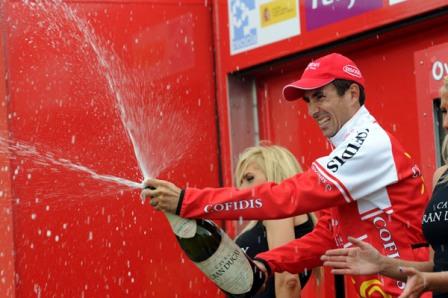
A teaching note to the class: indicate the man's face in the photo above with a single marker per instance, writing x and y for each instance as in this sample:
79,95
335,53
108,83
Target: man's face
330,110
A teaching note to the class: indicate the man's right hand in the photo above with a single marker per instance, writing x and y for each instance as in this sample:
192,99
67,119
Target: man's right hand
163,195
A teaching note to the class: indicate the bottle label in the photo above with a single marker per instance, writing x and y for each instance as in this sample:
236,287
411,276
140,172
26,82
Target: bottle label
229,268
182,227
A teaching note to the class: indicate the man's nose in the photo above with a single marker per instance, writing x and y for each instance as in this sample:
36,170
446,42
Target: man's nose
313,108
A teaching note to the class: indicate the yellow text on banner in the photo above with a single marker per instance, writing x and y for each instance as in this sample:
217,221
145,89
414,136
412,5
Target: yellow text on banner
277,11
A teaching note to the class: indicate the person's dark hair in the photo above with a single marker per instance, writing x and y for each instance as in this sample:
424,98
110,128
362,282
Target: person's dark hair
343,85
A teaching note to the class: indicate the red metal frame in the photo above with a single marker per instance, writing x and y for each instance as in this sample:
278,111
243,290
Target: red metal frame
311,39
7,260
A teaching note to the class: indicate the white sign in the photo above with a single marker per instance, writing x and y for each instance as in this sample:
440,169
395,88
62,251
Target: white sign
439,70
254,23
392,2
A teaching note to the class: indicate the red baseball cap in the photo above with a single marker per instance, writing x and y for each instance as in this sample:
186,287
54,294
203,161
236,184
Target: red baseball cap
321,72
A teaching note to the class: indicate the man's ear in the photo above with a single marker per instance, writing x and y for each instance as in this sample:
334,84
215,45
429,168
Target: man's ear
354,92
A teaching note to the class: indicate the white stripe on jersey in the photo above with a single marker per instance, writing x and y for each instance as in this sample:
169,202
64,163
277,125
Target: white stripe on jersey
370,169
321,171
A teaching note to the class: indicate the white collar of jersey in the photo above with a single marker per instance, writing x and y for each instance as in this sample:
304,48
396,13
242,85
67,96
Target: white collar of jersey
359,120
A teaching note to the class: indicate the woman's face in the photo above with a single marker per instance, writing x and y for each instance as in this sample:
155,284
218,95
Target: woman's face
252,176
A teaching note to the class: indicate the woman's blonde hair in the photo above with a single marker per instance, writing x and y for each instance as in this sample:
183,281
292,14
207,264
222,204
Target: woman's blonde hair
444,179
445,150
276,162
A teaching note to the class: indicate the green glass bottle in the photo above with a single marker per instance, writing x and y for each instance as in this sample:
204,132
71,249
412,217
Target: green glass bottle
217,256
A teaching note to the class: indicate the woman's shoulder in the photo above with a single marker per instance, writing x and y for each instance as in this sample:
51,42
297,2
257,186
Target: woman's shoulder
438,173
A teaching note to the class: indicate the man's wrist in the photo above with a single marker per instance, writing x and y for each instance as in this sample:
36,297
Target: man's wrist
384,265
426,281
179,203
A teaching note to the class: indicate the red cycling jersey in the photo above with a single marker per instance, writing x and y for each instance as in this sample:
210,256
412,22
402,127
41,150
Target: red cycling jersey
368,185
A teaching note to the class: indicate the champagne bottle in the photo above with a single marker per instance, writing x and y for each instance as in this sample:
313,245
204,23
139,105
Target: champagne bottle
217,256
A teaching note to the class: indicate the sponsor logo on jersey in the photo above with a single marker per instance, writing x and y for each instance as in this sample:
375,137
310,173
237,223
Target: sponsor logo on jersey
372,288
416,172
350,151
390,248
236,205
322,179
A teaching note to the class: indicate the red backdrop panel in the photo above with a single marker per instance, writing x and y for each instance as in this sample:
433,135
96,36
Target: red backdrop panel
68,65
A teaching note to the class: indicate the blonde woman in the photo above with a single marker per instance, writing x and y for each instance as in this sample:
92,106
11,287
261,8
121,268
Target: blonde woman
261,164
420,276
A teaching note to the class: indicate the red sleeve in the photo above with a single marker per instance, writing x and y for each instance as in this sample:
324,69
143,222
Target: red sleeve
303,253
303,193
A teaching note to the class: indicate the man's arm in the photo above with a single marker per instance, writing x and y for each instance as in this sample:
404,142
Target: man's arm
321,187
300,194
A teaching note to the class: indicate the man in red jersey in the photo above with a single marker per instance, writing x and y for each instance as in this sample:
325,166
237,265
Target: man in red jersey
368,187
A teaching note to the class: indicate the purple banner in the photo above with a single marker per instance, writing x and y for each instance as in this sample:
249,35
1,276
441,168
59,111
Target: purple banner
323,12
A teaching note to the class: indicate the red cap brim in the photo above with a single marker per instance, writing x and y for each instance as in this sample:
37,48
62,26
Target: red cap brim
296,89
